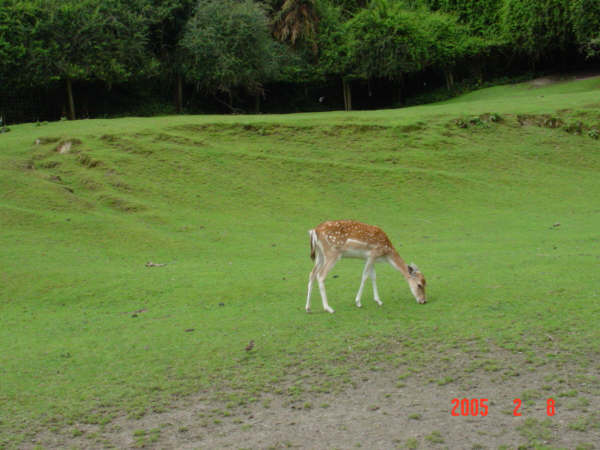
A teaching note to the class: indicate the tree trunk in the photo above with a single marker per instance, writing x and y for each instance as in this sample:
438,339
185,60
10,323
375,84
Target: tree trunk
349,87
179,94
71,112
347,90
449,79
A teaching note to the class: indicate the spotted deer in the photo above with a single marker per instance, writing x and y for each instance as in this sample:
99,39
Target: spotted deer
331,241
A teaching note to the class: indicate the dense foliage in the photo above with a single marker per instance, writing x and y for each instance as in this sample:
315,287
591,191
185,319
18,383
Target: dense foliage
585,15
540,28
227,45
231,50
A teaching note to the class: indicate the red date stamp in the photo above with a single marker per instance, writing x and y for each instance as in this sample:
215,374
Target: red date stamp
479,407
517,403
470,407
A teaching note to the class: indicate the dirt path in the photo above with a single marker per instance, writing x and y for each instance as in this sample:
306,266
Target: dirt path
385,409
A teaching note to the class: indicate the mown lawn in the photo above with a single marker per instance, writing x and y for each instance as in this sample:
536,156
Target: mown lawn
502,216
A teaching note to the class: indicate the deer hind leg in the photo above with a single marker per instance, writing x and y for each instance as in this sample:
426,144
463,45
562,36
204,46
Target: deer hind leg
375,292
312,277
322,273
366,272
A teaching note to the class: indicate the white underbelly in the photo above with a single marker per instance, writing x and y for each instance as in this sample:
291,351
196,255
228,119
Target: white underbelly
356,253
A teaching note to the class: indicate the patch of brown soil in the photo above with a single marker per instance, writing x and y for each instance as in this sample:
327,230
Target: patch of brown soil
384,409
553,79
65,146
545,81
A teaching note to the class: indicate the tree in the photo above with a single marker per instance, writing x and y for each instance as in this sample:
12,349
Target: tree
228,46
168,20
297,20
386,41
585,15
537,28
15,38
84,40
334,51
448,43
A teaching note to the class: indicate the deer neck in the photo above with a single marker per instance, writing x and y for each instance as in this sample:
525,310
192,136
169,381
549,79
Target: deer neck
398,263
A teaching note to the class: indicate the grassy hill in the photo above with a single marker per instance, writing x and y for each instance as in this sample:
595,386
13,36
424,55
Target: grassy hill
494,195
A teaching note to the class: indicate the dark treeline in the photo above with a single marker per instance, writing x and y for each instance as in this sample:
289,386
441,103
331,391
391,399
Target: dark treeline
94,58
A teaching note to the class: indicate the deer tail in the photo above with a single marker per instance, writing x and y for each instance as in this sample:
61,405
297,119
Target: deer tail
313,243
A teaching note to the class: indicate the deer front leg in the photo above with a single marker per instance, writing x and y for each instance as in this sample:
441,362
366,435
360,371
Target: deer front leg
375,292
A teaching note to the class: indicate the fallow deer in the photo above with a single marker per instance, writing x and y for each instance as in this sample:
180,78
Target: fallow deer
333,240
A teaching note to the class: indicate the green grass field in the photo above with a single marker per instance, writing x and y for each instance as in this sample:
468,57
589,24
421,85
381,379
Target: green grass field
502,216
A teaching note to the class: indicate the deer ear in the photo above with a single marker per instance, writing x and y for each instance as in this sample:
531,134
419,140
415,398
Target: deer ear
412,269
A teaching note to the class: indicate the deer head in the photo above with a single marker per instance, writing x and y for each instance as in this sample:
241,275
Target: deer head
416,281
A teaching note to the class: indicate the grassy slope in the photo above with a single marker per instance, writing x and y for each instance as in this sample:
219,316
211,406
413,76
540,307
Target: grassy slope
227,201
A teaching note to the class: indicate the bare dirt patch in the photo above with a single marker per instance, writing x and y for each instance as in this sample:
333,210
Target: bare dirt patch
545,81
65,146
559,78
387,408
